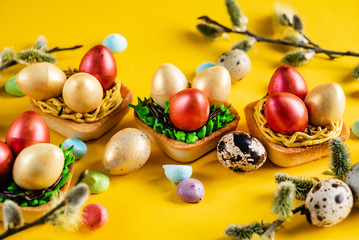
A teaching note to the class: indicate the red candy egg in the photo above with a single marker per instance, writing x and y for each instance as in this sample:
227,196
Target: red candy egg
6,162
288,79
100,63
286,113
189,109
27,129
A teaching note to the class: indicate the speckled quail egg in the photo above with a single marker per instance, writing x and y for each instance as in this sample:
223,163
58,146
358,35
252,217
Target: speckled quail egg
237,63
240,152
328,203
352,180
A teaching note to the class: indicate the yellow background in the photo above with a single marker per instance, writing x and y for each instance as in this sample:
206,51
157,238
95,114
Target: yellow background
144,204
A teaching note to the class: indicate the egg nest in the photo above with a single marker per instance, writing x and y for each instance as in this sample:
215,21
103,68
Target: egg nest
313,135
154,116
38,197
57,107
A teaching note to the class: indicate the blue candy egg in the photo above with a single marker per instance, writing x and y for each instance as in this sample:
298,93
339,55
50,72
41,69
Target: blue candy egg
115,42
204,66
80,147
355,128
177,173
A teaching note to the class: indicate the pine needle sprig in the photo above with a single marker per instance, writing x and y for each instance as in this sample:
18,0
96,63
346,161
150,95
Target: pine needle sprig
284,200
240,232
302,185
339,159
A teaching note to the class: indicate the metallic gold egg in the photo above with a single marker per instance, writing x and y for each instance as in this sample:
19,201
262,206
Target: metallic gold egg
166,82
325,103
38,166
41,81
215,82
127,150
82,93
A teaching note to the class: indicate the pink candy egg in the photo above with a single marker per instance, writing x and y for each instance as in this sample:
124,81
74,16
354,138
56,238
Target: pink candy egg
94,216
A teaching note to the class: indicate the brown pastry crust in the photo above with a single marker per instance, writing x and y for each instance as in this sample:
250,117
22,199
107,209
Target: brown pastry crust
87,131
32,213
187,152
289,157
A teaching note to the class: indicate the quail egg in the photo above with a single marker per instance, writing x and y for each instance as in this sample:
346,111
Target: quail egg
352,180
328,203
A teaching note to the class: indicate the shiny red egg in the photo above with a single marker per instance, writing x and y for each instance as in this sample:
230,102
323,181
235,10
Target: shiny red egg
288,79
189,109
100,63
286,113
27,129
6,163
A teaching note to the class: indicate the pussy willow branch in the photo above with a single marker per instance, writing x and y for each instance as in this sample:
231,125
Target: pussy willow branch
55,49
279,222
279,41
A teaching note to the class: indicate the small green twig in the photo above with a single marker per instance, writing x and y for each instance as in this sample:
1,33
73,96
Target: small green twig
279,41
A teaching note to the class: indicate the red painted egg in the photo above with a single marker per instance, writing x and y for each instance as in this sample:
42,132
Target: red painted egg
6,162
189,109
286,113
288,79
100,63
29,128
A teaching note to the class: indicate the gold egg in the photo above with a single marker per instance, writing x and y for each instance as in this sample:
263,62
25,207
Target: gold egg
127,150
325,103
38,166
215,82
166,82
41,81
82,93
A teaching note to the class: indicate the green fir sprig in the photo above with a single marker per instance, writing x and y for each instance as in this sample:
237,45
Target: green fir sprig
302,185
339,159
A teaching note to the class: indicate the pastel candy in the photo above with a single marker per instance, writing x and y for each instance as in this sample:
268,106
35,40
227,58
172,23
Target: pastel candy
177,173
204,66
97,181
80,147
94,216
115,42
12,88
190,190
355,128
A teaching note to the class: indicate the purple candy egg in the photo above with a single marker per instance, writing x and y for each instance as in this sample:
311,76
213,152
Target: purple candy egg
190,190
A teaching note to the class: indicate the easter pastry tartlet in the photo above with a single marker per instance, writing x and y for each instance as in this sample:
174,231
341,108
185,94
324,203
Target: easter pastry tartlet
186,122
84,106
293,125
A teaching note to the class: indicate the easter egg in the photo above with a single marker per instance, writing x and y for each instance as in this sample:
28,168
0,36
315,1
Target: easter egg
6,162
38,166
97,182
355,128
237,63
204,66
177,173
286,113
190,190
288,79
215,82
100,63
41,81
166,82
80,147
189,109
94,216
115,42
27,129
325,103
12,88
82,93
128,150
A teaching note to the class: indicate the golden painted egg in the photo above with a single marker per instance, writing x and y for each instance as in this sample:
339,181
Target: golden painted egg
41,81
38,166
82,93
215,82
166,82
325,103
127,150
